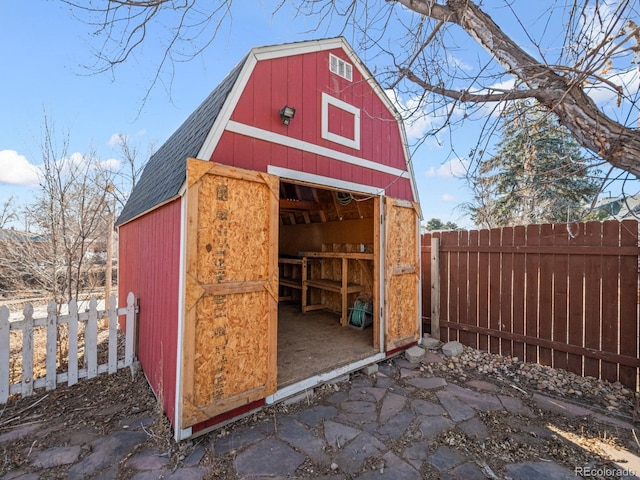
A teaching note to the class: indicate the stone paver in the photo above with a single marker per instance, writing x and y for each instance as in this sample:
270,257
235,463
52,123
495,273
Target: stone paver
104,451
558,406
468,471
56,456
445,458
427,383
352,457
380,426
474,428
529,470
514,405
423,407
269,457
456,408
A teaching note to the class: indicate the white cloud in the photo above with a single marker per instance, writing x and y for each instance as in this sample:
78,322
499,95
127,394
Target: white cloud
456,168
115,139
111,164
416,121
629,81
15,169
458,62
447,198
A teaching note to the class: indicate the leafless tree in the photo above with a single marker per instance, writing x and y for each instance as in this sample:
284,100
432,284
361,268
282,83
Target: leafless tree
69,214
8,212
572,51
133,161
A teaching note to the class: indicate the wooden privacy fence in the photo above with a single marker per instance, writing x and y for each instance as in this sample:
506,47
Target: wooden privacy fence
564,295
43,352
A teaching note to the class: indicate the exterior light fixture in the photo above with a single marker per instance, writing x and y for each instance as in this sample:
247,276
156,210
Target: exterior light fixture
286,114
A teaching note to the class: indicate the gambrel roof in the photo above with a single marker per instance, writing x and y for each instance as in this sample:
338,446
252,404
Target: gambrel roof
165,173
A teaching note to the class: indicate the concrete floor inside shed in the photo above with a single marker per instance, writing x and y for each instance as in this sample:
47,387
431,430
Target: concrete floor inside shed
315,342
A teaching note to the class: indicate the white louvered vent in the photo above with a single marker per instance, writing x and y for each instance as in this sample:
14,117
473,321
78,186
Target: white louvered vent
340,67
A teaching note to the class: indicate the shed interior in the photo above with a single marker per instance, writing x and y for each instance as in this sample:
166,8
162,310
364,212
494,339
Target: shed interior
328,270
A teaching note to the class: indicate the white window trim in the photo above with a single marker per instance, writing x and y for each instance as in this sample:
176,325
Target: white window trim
333,137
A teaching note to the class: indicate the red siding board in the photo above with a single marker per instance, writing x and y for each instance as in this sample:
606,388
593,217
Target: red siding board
299,81
142,243
261,97
310,101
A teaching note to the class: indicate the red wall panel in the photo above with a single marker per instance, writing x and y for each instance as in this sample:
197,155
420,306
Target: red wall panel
299,81
150,250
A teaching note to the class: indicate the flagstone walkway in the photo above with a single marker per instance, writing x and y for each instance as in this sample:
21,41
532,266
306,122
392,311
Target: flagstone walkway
396,424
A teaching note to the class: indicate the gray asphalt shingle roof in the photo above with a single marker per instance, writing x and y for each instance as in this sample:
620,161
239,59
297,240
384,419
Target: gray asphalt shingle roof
165,172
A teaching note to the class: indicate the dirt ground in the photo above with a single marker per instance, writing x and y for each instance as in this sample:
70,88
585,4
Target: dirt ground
101,405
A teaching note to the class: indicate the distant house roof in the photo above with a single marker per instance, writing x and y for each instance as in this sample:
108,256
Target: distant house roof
12,235
620,208
165,172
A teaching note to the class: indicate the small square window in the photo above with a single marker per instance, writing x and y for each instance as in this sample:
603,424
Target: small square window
340,67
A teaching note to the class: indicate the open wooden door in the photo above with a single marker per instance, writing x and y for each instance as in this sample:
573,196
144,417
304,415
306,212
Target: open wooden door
402,274
231,290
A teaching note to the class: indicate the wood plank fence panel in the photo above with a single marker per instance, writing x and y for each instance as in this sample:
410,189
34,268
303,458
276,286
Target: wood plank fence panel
576,316
560,328
545,308
628,301
610,290
54,345
471,338
494,289
463,288
532,293
506,291
519,285
445,272
560,295
451,238
483,290
434,298
593,314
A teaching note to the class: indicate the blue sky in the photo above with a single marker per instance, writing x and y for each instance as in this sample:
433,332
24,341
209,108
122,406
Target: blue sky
44,50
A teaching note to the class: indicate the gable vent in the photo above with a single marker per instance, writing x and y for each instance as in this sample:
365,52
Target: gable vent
340,67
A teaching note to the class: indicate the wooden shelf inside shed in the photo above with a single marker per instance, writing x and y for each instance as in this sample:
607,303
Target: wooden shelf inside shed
334,286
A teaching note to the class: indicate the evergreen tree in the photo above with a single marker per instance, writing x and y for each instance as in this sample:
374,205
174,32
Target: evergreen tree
436,224
538,175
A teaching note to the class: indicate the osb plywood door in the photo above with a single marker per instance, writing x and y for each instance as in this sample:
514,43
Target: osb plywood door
231,290
402,273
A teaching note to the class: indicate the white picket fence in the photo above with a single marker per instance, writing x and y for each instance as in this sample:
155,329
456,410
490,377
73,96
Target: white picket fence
73,320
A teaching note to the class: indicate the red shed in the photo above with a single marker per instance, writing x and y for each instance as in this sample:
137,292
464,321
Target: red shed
273,239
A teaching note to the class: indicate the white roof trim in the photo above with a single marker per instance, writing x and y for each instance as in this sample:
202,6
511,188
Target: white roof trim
279,139
290,174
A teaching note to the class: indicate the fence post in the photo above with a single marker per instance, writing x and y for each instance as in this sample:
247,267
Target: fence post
91,339
113,334
72,328
130,330
52,344
27,351
5,354
435,288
